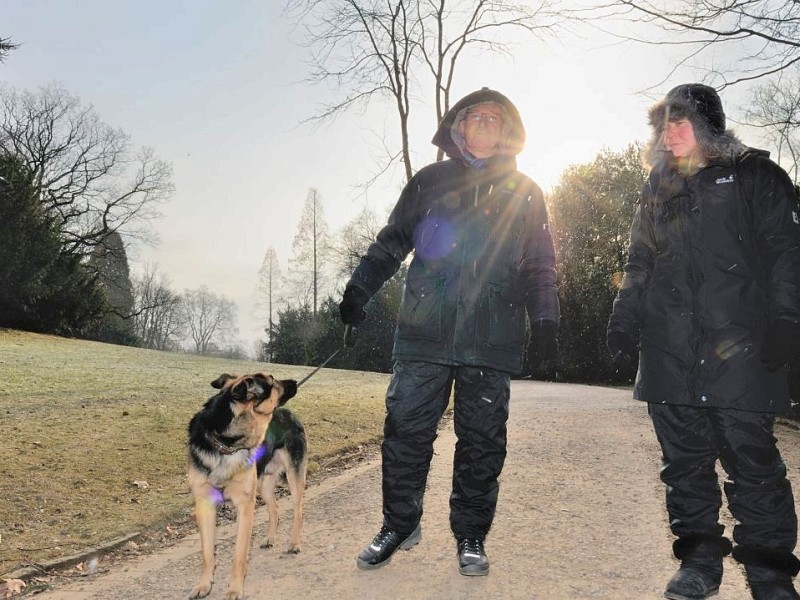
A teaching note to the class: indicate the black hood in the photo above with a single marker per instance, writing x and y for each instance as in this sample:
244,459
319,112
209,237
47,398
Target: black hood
449,140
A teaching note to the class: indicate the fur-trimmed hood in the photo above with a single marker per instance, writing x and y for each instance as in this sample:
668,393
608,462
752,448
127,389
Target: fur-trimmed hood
449,139
702,107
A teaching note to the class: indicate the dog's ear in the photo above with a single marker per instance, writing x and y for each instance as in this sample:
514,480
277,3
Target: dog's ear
220,381
289,391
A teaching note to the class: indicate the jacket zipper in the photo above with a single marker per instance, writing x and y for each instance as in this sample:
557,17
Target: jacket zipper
697,325
464,271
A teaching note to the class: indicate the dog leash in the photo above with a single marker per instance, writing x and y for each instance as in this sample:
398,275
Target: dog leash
349,339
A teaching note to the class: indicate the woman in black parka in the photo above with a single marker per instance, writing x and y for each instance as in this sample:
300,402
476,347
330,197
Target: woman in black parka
483,258
711,295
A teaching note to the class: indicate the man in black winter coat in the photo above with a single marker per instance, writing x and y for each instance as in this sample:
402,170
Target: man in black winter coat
483,257
710,300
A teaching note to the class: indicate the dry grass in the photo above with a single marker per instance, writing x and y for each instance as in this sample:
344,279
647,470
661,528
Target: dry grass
93,436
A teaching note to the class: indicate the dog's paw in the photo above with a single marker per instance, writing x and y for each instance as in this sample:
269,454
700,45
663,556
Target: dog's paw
232,595
267,544
200,591
293,550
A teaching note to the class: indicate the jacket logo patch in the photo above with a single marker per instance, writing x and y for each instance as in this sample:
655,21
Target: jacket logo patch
728,179
795,218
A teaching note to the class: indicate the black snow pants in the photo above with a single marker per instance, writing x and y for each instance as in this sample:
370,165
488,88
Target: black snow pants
417,397
759,495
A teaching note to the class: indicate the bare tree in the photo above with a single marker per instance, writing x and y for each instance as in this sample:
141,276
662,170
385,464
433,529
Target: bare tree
354,240
375,48
92,181
758,38
775,107
269,292
311,250
6,46
158,318
210,319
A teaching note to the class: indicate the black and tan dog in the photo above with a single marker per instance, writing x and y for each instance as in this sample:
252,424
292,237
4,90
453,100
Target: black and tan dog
239,441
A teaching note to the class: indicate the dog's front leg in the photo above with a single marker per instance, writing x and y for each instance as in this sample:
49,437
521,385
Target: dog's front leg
243,496
205,510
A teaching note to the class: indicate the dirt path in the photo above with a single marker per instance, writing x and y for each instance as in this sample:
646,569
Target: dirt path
580,516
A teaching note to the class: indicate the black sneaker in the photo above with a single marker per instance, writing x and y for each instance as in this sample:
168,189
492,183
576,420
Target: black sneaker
472,560
380,551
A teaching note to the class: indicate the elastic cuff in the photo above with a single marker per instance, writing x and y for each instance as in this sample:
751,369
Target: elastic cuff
770,558
717,545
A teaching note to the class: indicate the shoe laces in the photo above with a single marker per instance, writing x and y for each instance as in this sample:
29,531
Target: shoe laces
382,535
471,546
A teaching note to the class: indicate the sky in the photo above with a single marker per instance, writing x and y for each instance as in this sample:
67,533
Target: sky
219,90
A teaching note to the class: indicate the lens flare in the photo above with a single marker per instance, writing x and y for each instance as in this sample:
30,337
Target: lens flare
434,238
728,349
257,454
215,496
209,503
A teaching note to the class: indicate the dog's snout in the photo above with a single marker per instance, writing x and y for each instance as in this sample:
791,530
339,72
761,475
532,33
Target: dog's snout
258,391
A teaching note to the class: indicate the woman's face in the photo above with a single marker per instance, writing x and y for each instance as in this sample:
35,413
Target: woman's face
679,138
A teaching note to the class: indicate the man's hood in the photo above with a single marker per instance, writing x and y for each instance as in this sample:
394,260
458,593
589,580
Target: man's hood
449,139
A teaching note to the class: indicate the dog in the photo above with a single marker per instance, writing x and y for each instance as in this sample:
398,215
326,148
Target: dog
241,442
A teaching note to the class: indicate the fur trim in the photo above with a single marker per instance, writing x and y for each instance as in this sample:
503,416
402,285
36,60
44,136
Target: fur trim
701,106
721,147
770,558
712,545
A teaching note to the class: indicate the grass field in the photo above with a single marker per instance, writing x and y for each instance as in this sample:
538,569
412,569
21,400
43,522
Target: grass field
93,436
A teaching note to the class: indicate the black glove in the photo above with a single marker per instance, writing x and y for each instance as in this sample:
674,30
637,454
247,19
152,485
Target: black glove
545,342
781,344
622,347
351,308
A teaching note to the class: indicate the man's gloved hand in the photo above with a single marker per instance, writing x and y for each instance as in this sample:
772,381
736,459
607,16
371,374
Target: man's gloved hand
781,344
622,347
544,341
351,308
350,336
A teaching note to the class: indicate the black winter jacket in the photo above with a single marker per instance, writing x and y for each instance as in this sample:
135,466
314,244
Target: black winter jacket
714,258
482,253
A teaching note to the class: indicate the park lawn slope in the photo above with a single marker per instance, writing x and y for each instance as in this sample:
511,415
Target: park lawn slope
94,436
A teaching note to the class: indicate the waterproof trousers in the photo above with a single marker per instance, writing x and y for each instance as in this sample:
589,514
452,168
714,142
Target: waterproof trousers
417,397
759,495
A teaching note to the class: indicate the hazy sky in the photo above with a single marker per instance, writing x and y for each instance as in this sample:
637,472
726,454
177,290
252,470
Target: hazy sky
216,89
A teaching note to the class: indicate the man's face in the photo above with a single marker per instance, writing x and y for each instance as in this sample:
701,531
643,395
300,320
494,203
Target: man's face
483,129
679,138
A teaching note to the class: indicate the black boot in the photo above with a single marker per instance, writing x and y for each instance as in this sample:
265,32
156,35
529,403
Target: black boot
472,559
769,572
383,545
700,573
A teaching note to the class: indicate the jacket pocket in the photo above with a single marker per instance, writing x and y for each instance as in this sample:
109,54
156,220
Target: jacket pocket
420,314
502,320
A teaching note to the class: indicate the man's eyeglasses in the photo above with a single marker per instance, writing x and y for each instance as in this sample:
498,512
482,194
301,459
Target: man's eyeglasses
490,118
